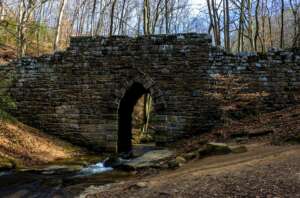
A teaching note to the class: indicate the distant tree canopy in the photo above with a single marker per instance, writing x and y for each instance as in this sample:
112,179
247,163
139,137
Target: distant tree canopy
39,26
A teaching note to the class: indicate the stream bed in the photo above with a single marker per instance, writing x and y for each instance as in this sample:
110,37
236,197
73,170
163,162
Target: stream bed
57,181
69,180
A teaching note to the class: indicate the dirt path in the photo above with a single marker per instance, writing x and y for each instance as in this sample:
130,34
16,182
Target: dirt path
264,171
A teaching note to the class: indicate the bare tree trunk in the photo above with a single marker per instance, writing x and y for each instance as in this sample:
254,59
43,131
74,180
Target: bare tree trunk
1,10
81,19
216,23
256,25
211,19
270,27
263,26
41,11
295,9
139,25
147,111
241,27
146,12
167,16
74,17
156,16
101,17
59,24
282,25
121,22
297,40
250,25
226,25
21,40
112,13
92,32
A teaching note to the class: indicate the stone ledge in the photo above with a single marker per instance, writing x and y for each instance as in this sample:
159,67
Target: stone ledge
202,37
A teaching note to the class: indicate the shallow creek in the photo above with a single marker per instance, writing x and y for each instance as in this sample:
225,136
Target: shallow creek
61,180
57,181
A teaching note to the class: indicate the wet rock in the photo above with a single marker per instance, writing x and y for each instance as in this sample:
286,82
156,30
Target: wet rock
180,159
126,155
113,161
190,156
52,183
173,164
177,162
54,169
141,184
238,149
294,140
149,159
242,139
214,148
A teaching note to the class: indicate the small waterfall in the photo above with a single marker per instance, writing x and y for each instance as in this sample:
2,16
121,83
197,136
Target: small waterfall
5,173
94,169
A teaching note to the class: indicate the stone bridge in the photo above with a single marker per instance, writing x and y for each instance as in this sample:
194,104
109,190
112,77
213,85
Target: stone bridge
86,93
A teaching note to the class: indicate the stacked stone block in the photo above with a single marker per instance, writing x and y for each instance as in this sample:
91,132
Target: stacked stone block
75,94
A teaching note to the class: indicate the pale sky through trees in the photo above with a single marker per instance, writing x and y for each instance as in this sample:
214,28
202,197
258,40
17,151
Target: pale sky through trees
196,4
254,25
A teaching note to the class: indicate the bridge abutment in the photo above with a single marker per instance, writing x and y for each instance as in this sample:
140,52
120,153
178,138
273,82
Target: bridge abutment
76,94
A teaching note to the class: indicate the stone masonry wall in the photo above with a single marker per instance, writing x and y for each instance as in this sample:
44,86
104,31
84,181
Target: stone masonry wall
273,77
75,94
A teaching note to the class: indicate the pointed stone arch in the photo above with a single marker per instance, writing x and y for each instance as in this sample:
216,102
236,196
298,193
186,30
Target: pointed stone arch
148,83
128,94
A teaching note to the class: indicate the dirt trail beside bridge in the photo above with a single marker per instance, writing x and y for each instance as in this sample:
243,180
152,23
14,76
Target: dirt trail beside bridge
263,171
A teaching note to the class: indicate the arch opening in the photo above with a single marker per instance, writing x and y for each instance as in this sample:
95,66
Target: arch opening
133,115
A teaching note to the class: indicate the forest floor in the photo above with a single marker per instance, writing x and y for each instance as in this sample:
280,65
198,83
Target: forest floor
267,169
7,53
23,146
263,171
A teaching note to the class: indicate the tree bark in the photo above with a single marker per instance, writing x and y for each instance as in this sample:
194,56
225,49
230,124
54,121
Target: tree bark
270,26
241,27
59,24
1,10
226,25
121,21
295,9
157,13
282,25
112,13
250,25
263,25
256,25
92,32
216,23
146,13
21,29
167,16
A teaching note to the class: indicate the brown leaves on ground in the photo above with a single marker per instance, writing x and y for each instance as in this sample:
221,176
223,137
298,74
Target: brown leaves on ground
7,54
29,146
283,124
278,127
264,171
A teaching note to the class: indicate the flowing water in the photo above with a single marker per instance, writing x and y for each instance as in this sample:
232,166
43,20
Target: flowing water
56,181
61,180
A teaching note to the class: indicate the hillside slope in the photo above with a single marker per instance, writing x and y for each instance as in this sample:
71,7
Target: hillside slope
281,126
7,54
21,145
